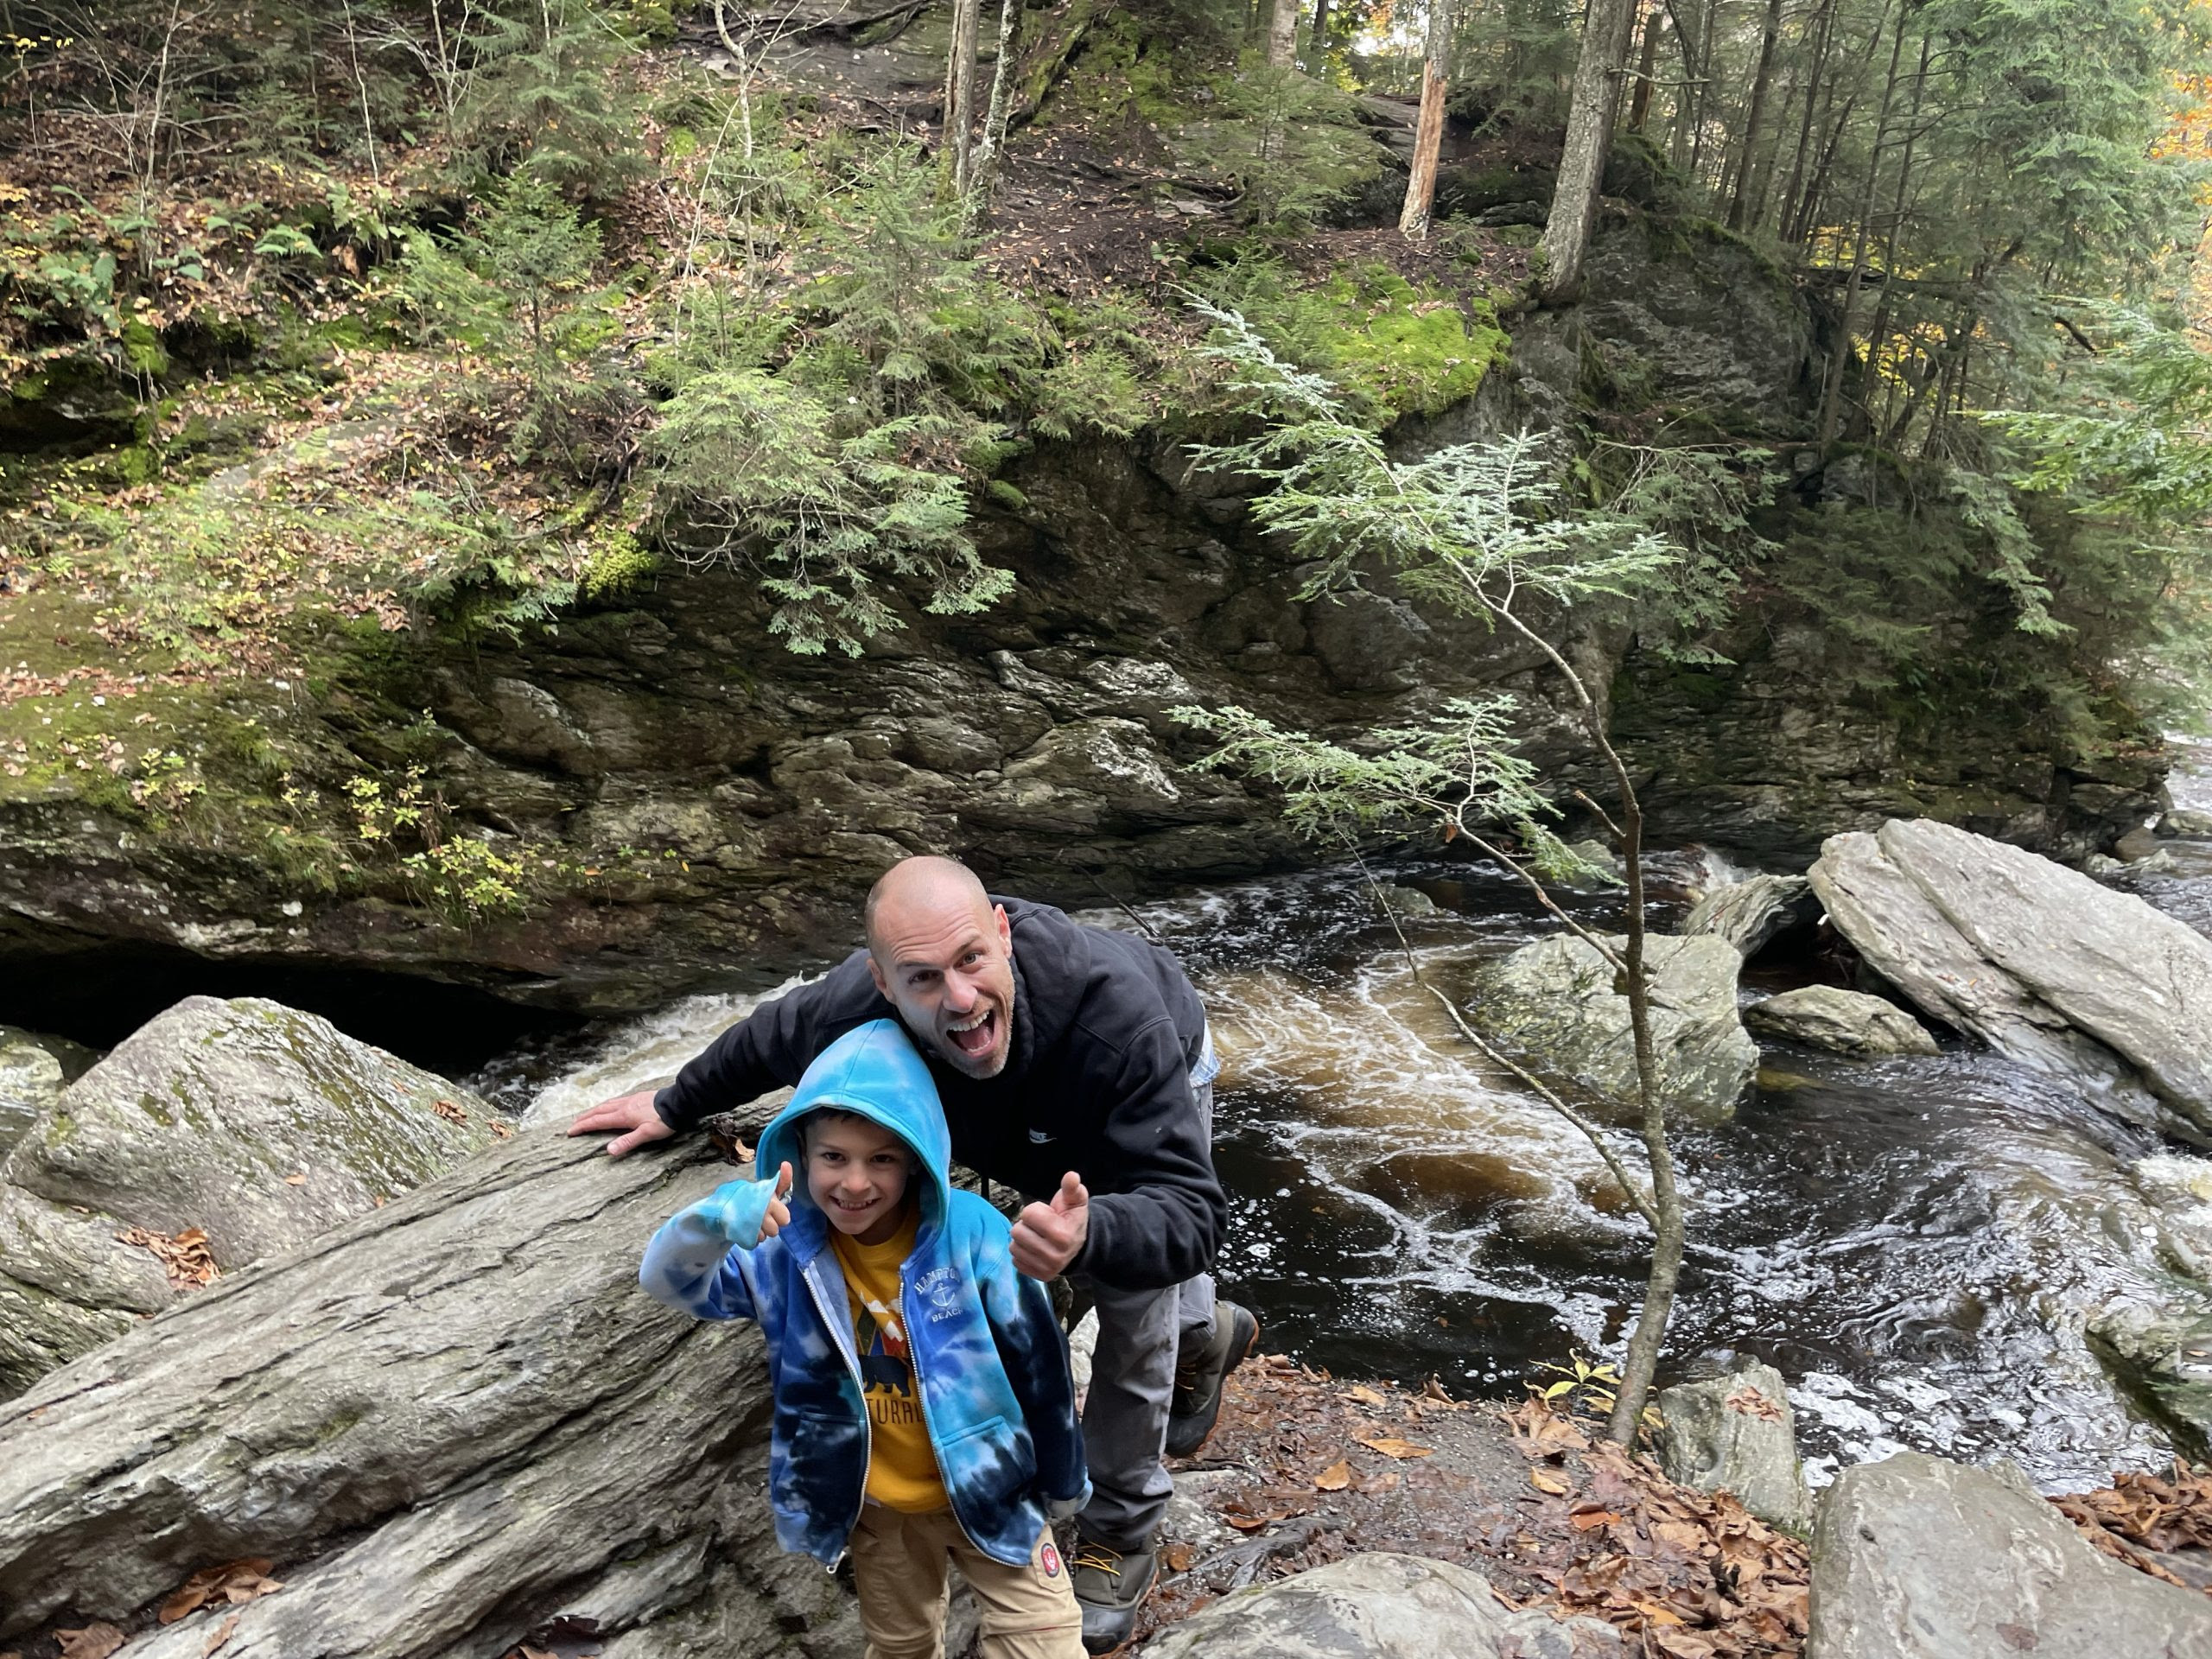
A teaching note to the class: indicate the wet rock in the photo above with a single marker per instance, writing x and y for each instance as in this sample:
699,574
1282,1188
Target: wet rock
254,1124
1404,901
1602,868
1750,914
2189,820
448,1421
2159,1356
1918,1558
2045,964
1737,1434
1841,1022
1381,1607
1556,1000
34,1071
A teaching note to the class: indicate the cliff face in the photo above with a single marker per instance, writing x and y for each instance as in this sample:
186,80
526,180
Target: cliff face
687,803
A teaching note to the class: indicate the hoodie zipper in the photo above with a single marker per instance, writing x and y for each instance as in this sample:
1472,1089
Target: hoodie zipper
922,1401
840,1336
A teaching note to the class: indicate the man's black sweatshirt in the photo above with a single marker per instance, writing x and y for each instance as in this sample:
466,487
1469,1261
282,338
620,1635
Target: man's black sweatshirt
1106,1030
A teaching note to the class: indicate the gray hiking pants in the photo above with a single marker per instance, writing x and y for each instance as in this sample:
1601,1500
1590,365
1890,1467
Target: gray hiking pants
1132,1377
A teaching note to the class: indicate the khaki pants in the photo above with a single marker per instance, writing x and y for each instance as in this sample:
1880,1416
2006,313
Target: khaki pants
898,1567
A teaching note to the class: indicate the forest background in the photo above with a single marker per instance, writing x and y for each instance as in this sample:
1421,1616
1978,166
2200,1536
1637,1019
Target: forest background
457,317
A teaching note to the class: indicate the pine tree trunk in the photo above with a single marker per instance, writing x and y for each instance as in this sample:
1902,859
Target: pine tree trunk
960,94
1646,67
1428,136
1755,116
1317,41
1283,34
1831,394
1589,138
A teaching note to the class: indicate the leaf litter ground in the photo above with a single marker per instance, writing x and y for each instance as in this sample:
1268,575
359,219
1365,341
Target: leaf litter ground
1304,1470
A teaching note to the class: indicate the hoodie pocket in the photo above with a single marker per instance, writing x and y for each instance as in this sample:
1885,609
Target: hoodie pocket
992,1463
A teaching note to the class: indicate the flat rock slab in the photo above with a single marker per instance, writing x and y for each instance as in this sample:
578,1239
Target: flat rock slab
2045,964
1556,1002
1919,1558
1840,1022
1737,1434
447,1421
252,1125
1381,1607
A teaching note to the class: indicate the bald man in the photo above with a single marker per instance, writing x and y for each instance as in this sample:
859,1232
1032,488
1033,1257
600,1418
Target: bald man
1075,1067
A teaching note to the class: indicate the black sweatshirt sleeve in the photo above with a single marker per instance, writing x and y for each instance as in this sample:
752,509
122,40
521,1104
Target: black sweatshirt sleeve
1165,1222
772,1046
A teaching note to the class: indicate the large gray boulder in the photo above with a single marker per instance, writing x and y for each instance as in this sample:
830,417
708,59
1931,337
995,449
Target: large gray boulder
1919,1558
448,1423
1749,914
1381,1607
2045,964
1556,1002
1737,1434
1839,1021
218,1133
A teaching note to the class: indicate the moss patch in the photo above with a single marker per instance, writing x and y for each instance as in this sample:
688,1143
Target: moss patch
1397,346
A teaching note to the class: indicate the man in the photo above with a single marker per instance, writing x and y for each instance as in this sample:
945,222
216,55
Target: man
1075,1066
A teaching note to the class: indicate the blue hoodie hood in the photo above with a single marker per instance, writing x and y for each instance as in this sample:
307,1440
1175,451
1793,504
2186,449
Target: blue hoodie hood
874,1072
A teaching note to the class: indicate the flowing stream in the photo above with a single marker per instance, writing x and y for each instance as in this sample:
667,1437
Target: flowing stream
1914,1242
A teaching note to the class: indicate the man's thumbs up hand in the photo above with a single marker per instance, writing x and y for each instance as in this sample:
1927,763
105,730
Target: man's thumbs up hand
1047,1237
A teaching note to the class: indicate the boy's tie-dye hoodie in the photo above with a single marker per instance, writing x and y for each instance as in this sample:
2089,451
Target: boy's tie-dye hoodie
990,1364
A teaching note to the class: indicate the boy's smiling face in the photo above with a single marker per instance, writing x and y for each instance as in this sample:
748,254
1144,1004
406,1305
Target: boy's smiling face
856,1173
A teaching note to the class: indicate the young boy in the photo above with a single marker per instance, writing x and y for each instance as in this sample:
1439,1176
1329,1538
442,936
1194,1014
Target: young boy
922,1407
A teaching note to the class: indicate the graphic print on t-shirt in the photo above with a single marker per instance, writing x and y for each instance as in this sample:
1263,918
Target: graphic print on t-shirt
886,1372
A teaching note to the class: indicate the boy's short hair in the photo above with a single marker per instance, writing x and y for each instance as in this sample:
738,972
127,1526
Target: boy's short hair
822,1115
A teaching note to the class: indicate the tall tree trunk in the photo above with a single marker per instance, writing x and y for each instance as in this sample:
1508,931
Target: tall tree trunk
1884,310
1647,67
1283,34
1755,115
1428,136
1589,139
960,93
1832,393
1708,32
994,118
1819,89
1317,40
1689,101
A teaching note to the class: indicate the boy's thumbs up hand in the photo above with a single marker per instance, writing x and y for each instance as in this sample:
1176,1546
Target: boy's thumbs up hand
1047,1237
746,1212
779,1209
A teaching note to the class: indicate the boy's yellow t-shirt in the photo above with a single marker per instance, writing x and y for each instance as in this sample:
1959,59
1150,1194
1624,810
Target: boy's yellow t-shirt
902,1472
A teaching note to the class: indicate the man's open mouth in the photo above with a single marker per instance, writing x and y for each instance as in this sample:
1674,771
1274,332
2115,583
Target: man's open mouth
977,1036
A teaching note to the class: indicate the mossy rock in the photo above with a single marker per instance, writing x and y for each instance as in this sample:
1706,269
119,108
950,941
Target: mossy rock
257,1125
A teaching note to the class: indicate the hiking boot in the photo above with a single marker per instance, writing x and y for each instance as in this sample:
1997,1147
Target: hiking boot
1109,1586
1195,1405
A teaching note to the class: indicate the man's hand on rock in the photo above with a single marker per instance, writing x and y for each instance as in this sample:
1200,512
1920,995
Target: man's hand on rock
633,1114
1047,1237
